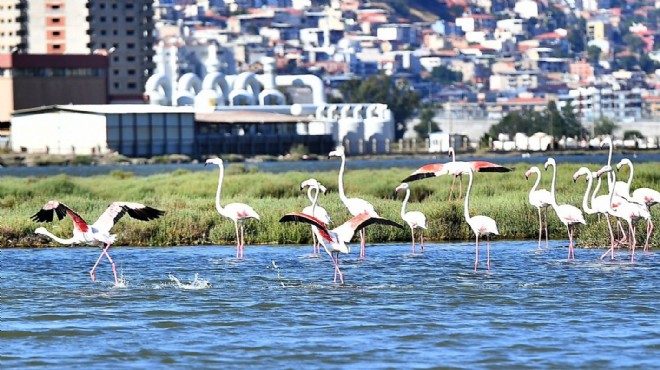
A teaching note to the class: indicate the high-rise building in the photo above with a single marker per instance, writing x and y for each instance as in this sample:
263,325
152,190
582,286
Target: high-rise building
122,29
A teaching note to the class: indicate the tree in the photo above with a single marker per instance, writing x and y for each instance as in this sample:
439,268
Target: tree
445,75
604,126
552,121
426,123
399,96
632,134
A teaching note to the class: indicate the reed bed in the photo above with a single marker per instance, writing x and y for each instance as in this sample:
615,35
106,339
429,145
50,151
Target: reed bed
191,219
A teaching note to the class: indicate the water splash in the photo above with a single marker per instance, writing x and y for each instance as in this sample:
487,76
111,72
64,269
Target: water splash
274,265
122,282
196,284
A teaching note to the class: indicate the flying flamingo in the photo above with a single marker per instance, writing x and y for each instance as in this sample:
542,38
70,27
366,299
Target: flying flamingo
453,168
452,154
600,205
414,219
541,199
569,215
99,232
646,196
480,225
631,212
334,241
237,212
315,210
355,206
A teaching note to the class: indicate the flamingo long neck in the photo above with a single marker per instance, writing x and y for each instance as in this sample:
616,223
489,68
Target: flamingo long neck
552,187
315,199
609,205
467,198
405,202
537,182
632,170
217,194
585,200
610,182
452,154
309,195
340,180
58,239
596,190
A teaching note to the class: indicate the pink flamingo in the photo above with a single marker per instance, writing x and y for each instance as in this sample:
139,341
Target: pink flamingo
315,209
99,232
355,206
631,212
480,225
453,168
237,212
452,154
541,199
414,219
334,241
600,205
645,196
569,215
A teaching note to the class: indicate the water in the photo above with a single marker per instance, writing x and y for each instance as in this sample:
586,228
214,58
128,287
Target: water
198,307
323,165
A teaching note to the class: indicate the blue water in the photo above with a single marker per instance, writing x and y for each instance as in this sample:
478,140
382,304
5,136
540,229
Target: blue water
321,165
198,307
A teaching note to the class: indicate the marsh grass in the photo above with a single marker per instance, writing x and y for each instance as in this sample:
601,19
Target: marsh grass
191,218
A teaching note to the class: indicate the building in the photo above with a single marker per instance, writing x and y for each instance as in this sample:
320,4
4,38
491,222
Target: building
28,81
121,29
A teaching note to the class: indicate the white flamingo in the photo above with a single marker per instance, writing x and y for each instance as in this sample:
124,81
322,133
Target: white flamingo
600,205
542,200
414,219
453,168
315,209
355,206
97,233
629,211
334,241
646,196
569,215
237,212
480,225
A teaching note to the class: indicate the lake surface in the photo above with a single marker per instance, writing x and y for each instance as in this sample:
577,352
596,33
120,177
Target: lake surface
322,165
198,307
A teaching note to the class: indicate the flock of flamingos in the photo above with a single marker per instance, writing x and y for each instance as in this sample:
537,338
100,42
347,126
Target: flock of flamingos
618,203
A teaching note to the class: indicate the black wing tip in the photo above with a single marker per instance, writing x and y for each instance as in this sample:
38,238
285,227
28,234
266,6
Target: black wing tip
495,169
144,214
44,215
418,176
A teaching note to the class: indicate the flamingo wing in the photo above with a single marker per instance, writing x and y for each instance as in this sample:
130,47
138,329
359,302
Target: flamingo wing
117,210
54,207
482,166
429,170
307,219
346,230
240,211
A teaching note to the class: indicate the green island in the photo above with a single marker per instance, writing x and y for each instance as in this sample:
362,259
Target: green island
188,197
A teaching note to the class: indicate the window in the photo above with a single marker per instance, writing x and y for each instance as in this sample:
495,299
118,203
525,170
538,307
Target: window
131,72
132,85
130,59
115,72
130,19
130,32
130,45
56,33
56,20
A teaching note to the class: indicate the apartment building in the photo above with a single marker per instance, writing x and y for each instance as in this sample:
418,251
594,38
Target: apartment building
121,29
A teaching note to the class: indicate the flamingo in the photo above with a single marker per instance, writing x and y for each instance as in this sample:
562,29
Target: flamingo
569,215
541,199
414,219
315,210
334,241
453,168
452,154
480,225
99,232
237,212
646,196
355,206
600,205
631,212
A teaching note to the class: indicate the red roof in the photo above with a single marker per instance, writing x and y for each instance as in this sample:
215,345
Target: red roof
549,35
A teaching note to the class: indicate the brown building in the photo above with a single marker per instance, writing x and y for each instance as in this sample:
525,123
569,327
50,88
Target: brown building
28,81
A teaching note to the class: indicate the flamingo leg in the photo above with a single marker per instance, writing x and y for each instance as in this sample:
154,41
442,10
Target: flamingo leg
633,241
488,251
315,246
460,189
341,276
362,244
540,227
238,239
611,250
112,263
476,253
624,235
451,190
242,240
91,272
421,239
412,232
546,228
649,231
570,242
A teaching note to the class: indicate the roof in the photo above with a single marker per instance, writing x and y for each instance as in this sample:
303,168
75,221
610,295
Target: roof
106,109
246,116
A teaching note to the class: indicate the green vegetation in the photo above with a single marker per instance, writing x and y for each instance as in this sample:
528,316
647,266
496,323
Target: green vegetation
191,218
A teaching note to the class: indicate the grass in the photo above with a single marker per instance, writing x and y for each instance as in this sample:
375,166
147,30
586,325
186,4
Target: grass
191,218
